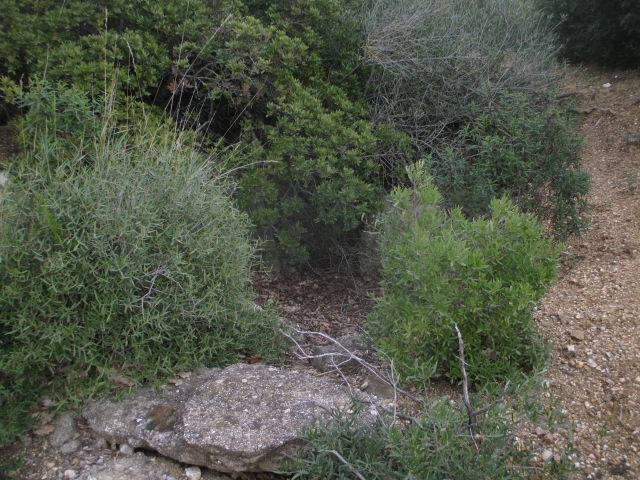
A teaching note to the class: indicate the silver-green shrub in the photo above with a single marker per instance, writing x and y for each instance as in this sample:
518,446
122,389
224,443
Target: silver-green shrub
133,263
430,59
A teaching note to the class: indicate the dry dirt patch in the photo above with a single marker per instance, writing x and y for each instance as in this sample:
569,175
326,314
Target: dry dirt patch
592,314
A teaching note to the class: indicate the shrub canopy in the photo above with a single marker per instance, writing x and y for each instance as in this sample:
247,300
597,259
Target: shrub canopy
127,260
440,269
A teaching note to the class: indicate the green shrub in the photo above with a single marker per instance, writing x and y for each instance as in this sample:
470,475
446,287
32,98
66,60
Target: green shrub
605,31
441,269
136,265
436,445
316,163
469,82
512,148
277,83
94,43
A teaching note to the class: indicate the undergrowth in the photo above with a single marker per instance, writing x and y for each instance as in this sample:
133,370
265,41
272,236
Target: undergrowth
435,443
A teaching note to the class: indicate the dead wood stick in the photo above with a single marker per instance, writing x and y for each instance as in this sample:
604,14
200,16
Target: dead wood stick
471,422
348,355
341,458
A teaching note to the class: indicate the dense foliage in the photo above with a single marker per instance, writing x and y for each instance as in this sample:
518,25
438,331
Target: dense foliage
274,81
512,148
440,269
605,31
470,82
128,261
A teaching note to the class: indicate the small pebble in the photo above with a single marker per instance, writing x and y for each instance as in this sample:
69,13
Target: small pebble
546,455
69,474
193,473
577,335
126,450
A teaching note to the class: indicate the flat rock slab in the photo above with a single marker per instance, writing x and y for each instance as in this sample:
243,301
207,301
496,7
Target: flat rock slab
243,418
141,467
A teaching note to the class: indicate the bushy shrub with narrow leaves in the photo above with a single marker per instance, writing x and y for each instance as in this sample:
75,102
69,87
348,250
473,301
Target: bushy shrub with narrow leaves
513,148
441,269
132,264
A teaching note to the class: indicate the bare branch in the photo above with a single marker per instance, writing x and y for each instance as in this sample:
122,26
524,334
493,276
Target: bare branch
471,423
348,356
341,458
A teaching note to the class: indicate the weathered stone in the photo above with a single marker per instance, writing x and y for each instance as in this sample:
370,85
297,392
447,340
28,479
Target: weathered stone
70,447
126,450
193,473
242,418
64,431
328,356
140,467
99,444
577,335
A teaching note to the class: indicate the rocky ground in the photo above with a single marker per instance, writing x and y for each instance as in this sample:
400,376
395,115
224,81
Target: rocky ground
591,316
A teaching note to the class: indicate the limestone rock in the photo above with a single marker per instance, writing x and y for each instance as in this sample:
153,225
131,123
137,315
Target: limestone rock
70,447
334,355
140,467
242,418
64,431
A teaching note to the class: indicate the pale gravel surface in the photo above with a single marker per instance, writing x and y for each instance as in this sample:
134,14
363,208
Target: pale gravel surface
598,292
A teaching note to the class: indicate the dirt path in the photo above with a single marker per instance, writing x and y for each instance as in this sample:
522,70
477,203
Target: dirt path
592,315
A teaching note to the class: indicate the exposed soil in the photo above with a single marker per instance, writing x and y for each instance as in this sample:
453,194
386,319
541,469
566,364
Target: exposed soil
591,316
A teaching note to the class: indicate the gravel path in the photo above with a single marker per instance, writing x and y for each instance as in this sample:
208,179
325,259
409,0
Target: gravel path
592,315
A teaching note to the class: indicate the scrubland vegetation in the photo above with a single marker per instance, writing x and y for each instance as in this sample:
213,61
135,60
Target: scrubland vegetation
166,146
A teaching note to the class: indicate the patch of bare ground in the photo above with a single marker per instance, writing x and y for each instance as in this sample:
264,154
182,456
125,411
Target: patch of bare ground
592,314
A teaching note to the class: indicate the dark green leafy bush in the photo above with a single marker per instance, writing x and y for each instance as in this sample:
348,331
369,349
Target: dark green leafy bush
605,31
436,445
136,265
276,82
440,269
512,148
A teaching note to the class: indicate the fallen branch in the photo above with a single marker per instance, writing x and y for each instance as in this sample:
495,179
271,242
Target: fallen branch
341,458
471,422
348,356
